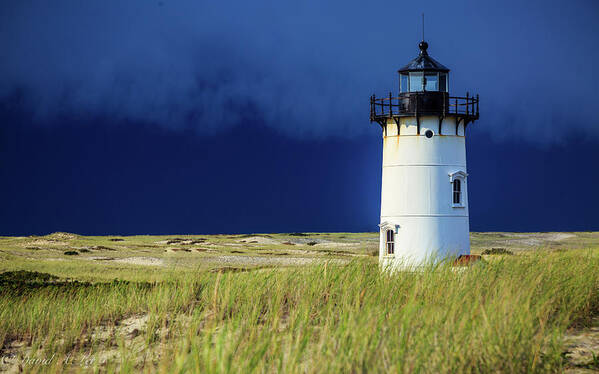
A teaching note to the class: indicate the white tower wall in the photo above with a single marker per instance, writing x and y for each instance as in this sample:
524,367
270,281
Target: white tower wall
417,191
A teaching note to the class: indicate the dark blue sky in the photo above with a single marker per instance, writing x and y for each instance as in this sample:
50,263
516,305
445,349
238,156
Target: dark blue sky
205,117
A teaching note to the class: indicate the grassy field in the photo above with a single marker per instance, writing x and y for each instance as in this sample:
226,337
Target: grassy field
303,302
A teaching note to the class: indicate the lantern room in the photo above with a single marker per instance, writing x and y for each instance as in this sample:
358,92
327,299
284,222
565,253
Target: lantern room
423,74
423,91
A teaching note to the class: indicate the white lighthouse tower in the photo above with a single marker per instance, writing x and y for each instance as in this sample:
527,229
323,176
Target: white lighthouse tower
424,196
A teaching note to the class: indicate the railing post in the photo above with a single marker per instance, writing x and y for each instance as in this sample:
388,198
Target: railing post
390,105
417,115
372,107
456,105
417,97
444,94
374,103
477,105
467,103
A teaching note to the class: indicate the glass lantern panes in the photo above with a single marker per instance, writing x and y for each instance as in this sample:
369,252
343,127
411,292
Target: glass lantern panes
431,82
403,83
415,82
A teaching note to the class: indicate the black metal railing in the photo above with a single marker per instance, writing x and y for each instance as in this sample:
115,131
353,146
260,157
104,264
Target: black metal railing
409,104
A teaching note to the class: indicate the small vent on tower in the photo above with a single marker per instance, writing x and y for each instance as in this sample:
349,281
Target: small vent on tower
429,134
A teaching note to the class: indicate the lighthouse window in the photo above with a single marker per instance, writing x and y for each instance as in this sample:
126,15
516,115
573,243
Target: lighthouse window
403,83
457,191
390,242
415,82
431,82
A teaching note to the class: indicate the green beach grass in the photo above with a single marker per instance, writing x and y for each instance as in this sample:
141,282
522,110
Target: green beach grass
505,314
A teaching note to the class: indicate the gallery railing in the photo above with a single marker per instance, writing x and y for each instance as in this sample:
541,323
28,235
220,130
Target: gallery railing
415,104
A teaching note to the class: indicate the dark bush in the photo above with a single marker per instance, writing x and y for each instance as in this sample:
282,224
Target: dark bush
497,251
26,276
103,248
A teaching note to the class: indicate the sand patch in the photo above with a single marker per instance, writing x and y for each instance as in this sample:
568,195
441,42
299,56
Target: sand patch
258,240
541,236
581,346
274,261
322,243
44,242
61,236
530,239
55,239
538,239
336,245
557,236
174,249
131,326
99,258
13,355
146,261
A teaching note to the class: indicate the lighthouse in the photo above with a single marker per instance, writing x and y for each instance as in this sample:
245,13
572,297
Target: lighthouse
424,194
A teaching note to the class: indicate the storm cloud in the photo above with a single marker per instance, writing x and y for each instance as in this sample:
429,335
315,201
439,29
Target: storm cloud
304,68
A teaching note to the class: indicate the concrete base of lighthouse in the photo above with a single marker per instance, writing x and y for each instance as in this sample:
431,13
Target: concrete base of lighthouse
417,197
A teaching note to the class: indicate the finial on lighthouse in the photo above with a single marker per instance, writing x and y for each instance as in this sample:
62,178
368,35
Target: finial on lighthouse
423,45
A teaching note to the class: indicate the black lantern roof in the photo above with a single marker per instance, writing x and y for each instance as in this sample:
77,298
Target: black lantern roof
423,62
